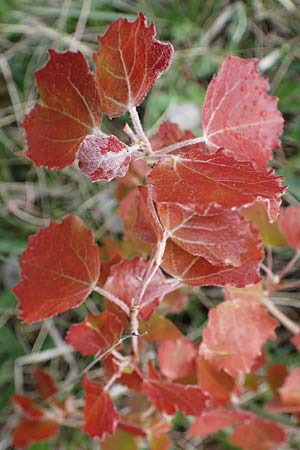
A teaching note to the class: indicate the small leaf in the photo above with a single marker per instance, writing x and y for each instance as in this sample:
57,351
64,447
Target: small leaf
290,391
29,431
176,358
95,334
239,115
101,416
44,383
289,223
103,157
128,62
169,133
60,267
28,406
70,110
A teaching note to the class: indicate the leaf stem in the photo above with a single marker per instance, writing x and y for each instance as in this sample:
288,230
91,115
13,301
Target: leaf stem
278,314
135,118
290,265
113,299
171,148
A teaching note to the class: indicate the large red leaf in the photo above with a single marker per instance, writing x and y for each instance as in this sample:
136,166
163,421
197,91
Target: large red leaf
128,62
125,279
44,383
197,271
220,236
258,434
226,343
27,432
176,358
172,397
216,419
239,115
169,133
216,383
200,181
101,416
59,270
70,110
95,334
289,222
290,391
103,157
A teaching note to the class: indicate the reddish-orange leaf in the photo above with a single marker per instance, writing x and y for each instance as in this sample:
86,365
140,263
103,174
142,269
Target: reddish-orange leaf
258,434
239,115
219,236
197,271
169,133
200,181
217,419
275,376
226,343
28,406
290,391
216,383
101,416
128,62
175,302
124,282
289,222
95,334
27,432
172,397
44,383
70,110
160,328
59,270
103,157
147,225
176,358
132,429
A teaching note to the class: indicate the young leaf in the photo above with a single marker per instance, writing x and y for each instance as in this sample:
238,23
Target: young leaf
176,358
44,383
103,157
70,110
101,416
290,391
201,181
95,334
258,434
226,343
128,62
28,406
216,419
239,115
60,267
219,236
27,431
289,223
197,271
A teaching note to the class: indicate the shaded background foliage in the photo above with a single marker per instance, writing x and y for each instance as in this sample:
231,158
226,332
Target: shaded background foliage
203,33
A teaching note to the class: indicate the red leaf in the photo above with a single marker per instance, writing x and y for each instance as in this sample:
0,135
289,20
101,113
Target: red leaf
160,328
147,225
217,419
103,157
128,62
197,271
258,434
217,384
131,429
199,181
169,133
59,270
172,397
219,236
275,376
289,222
101,416
239,115
28,406
95,334
44,383
125,279
70,109
290,391
176,359
226,343
28,431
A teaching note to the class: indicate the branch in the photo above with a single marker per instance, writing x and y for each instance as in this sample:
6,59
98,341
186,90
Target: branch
171,148
113,299
283,319
290,265
139,129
